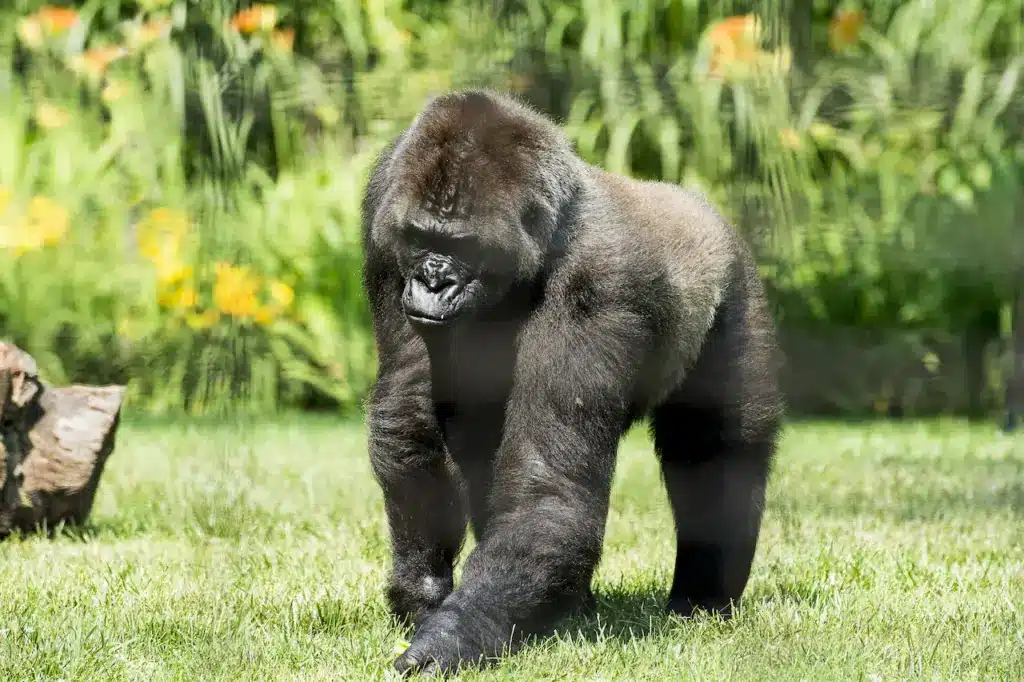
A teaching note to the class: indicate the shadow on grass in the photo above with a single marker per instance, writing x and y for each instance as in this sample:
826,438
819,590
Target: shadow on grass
629,614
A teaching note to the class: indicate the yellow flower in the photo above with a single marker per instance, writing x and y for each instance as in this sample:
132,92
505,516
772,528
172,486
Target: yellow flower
161,234
235,289
161,240
165,220
203,320
50,116
264,315
5,198
48,219
44,224
114,90
259,17
283,39
182,298
845,28
170,269
30,32
282,294
146,33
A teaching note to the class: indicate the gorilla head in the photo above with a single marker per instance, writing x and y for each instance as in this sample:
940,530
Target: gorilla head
466,221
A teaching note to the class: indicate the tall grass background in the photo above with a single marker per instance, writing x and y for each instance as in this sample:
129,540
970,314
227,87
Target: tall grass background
180,183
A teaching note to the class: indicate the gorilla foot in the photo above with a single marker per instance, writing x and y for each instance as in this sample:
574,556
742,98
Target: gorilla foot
445,643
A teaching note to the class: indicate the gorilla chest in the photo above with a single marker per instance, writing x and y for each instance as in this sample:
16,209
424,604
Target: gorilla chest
472,369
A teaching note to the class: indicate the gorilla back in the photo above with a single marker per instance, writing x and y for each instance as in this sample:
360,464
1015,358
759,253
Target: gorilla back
528,308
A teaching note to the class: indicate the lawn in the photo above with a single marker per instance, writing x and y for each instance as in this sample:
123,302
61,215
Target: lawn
258,551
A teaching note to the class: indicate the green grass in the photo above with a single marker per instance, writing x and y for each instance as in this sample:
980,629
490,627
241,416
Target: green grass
258,551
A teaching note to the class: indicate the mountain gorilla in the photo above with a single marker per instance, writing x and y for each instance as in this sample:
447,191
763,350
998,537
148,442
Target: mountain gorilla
528,308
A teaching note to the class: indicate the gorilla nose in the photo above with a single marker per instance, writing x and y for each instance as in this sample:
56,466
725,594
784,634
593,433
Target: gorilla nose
437,274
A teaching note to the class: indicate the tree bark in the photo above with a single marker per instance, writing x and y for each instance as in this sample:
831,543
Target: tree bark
54,443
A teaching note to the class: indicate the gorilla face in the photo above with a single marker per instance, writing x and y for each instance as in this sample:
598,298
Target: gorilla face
443,276
457,267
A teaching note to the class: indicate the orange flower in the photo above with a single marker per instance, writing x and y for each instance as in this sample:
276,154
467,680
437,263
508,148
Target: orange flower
259,17
741,28
56,19
845,28
735,49
95,62
734,39
283,39
48,21
790,138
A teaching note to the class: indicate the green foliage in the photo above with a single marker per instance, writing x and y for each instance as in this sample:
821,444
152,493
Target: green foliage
877,175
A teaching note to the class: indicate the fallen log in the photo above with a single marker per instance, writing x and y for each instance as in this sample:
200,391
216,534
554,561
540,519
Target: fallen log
54,443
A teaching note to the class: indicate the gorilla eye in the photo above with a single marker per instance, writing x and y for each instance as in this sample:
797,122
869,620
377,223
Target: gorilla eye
464,246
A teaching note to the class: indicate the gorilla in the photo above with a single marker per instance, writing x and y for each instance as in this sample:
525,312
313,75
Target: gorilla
528,308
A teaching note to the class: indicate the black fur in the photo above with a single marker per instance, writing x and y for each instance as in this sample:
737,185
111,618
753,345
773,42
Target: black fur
599,300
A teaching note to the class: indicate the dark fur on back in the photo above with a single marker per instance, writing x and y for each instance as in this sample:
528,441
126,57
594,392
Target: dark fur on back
611,300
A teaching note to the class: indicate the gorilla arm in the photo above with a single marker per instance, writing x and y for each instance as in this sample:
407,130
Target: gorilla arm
552,481
407,453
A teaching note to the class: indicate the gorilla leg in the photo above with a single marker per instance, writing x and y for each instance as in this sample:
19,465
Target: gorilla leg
716,438
421,495
716,488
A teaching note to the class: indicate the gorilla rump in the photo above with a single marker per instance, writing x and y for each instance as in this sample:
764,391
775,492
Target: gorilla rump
528,308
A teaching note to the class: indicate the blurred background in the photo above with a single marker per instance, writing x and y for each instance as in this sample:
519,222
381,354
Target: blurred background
180,181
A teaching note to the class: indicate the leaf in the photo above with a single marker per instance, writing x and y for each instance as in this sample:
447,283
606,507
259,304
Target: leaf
1005,92
669,136
965,118
963,196
981,175
948,180
618,144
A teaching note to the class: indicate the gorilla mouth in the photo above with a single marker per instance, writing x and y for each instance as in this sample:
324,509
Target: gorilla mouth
436,308
426,320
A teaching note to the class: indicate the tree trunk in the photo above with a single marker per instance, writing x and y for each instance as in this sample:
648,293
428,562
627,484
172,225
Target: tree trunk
54,443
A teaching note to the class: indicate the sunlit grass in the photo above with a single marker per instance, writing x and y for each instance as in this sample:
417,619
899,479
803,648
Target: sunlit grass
258,551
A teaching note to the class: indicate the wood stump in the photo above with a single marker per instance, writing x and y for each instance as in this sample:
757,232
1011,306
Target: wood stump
54,443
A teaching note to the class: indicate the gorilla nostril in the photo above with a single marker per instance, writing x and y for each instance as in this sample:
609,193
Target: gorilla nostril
437,274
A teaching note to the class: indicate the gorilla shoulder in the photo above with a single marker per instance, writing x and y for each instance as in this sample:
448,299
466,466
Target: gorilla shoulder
673,231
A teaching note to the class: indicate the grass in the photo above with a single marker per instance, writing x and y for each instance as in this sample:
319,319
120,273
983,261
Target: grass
258,551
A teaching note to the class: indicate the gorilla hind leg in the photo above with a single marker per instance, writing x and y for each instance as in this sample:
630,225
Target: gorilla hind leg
716,483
